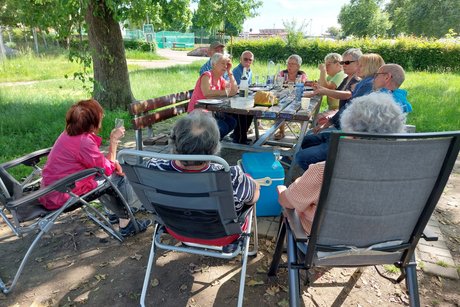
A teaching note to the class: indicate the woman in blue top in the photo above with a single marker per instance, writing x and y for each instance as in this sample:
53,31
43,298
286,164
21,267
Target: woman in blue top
315,146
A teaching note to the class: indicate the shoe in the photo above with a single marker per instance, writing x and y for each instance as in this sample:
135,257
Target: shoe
247,142
113,218
230,248
130,230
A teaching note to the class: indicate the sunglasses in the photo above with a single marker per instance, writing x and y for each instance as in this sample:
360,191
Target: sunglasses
247,59
346,62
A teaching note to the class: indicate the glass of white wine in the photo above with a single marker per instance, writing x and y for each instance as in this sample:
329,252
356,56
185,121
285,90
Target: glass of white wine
228,88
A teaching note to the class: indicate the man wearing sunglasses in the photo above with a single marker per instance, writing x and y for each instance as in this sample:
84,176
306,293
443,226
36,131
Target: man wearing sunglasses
388,79
240,133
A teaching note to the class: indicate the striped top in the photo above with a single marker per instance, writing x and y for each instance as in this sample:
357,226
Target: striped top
243,186
303,194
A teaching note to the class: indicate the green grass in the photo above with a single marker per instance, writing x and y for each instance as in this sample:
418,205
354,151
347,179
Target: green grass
31,67
32,116
142,55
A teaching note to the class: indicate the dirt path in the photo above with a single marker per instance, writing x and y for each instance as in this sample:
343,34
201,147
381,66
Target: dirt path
76,264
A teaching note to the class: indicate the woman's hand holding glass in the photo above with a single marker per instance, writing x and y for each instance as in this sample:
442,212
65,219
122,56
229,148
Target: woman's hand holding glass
228,88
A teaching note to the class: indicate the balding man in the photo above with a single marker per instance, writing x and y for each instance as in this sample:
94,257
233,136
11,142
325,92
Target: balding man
388,79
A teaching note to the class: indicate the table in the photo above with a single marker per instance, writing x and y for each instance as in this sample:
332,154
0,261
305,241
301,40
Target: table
287,111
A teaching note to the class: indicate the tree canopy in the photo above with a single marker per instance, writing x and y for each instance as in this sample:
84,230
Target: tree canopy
430,18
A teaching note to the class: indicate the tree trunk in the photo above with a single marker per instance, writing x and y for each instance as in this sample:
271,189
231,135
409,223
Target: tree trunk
34,34
2,48
112,87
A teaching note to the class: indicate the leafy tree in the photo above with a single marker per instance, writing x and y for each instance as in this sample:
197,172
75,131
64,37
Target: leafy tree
398,15
433,18
216,14
334,32
294,33
363,18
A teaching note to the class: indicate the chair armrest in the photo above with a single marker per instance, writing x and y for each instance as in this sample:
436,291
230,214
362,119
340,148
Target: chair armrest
295,225
29,159
61,185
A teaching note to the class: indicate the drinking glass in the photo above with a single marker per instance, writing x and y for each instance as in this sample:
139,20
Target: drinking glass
228,88
119,122
277,155
291,89
256,78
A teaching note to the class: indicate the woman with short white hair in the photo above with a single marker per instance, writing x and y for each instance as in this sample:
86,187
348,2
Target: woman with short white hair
212,84
373,113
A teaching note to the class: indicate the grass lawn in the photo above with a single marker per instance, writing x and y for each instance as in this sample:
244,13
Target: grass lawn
32,116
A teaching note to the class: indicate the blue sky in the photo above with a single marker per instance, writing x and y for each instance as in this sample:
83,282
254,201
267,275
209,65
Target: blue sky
318,14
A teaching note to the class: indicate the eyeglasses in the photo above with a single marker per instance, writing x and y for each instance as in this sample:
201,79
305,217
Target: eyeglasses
380,73
346,62
248,59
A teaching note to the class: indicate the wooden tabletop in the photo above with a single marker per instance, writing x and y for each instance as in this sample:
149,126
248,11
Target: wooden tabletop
287,109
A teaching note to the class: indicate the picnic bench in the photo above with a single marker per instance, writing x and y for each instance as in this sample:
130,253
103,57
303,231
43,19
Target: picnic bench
148,112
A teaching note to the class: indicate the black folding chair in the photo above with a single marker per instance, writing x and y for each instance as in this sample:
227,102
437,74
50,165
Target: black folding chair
378,194
23,213
192,205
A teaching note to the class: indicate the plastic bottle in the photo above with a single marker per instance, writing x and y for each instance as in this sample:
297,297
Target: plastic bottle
270,68
244,84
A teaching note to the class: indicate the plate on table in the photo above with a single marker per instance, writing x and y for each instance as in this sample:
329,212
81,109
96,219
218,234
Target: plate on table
258,88
210,101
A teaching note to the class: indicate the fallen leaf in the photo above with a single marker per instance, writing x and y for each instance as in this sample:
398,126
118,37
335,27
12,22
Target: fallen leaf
254,282
283,303
100,277
215,283
272,290
155,282
39,259
183,287
136,256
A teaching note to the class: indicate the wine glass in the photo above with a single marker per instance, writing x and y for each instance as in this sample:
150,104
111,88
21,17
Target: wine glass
119,122
291,89
228,88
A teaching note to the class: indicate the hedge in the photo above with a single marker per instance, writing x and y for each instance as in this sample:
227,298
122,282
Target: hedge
411,53
140,45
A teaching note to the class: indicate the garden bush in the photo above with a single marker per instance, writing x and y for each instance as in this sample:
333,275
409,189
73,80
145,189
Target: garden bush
411,53
140,45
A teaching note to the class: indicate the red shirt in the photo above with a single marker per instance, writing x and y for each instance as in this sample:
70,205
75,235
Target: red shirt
69,155
198,94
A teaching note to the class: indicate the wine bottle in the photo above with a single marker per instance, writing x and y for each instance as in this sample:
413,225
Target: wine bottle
244,84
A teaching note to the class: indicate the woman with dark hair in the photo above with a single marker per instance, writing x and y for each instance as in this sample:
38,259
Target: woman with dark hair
76,149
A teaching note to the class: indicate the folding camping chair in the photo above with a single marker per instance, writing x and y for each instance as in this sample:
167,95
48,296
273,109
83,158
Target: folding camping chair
192,205
378,194
23,213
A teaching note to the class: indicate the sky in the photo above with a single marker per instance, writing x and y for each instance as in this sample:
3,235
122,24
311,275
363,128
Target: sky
317,15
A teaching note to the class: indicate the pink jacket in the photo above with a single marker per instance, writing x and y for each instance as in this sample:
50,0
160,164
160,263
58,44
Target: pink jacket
69,155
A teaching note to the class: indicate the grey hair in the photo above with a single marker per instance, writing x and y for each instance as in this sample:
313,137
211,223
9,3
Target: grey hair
216,57
295,57
397,73
355,53
195,134
373,113
335,57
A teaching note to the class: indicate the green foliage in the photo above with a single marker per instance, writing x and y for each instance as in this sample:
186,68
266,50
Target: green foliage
390,268
363,18
140,45
294,32
411,53
216,14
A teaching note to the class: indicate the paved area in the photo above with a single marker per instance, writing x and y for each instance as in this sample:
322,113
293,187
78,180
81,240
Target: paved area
173,58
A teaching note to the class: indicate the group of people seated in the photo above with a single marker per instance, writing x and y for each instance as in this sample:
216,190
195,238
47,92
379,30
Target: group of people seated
369,100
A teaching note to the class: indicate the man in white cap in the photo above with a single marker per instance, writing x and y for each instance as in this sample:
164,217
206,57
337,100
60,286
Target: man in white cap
215,47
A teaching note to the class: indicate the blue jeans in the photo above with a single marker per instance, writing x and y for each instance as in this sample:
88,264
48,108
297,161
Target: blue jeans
314,149
226,123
